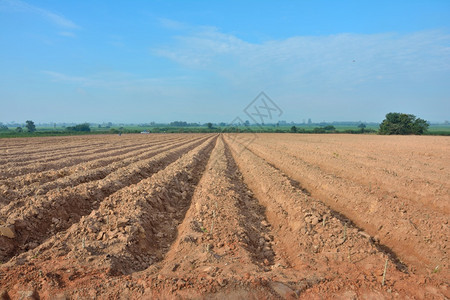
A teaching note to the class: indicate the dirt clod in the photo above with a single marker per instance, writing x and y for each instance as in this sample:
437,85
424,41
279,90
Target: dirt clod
7,231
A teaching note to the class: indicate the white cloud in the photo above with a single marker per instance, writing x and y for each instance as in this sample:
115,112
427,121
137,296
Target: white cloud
335,77
117,81
57,19
348,59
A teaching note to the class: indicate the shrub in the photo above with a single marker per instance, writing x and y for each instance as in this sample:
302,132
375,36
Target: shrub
114,131
319,130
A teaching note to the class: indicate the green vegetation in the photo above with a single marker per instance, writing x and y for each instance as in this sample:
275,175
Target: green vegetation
398,123
326,129
30,126
51,129
362,126
80,127
438,129
3,127
182,124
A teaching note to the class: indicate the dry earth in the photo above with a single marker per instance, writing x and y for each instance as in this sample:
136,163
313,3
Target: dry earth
241,216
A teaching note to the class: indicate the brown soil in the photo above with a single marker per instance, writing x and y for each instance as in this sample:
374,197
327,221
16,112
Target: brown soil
264,216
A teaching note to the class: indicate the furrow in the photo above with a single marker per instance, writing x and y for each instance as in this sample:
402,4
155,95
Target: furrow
131,229
88,178
57,210
89,162
48,144
13,171
224,235
379,170
46,155
312,238
73,151
422,245
72,176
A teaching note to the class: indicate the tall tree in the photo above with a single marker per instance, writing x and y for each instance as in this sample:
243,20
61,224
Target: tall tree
30,126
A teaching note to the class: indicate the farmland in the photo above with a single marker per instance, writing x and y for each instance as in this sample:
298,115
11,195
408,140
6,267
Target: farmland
236,215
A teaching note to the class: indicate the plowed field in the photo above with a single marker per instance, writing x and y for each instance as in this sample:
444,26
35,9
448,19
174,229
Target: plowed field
242,216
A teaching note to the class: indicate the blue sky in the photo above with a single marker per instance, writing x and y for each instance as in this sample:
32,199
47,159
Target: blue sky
200,61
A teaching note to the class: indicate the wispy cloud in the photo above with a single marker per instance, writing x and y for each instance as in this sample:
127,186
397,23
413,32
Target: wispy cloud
342,59
323,76
138,90
60,77
115,80
55,18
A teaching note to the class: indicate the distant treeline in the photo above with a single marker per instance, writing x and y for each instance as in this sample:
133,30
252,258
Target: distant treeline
85,127
394,124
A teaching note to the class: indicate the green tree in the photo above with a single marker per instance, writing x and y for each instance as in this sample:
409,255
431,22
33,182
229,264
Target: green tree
399,123
293,129
19,129
30,126
362,126
178,124
210,125
3,127
80,127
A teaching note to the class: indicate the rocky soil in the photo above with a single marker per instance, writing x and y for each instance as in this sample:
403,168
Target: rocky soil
240,216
